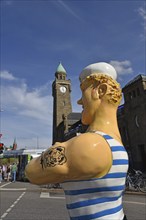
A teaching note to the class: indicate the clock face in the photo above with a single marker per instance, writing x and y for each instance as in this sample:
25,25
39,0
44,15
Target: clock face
62,89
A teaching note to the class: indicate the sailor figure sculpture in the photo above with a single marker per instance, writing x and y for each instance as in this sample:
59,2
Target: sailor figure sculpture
91,167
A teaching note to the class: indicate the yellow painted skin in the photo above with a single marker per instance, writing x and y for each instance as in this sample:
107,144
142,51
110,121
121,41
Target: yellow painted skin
87,155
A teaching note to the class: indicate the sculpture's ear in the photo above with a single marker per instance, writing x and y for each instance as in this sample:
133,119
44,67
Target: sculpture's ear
99,91
94,93
102,89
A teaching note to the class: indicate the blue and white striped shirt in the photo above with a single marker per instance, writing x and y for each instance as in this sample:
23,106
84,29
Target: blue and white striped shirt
99,198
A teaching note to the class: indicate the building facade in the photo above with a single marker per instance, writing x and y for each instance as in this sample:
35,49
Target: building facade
132,121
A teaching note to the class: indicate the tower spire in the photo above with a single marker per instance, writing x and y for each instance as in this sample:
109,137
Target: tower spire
14,144
60,72
60,68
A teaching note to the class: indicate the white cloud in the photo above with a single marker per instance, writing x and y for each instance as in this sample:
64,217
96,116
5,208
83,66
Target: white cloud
69,10
122,67
27,131
27,113
7,75
142,13
29,103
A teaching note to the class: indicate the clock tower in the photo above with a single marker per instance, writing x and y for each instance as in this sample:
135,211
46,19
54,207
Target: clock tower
61,89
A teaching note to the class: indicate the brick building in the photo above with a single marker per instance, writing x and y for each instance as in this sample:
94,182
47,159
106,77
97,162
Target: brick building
132,121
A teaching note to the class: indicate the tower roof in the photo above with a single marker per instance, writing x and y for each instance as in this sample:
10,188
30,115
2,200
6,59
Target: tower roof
14,141
60,69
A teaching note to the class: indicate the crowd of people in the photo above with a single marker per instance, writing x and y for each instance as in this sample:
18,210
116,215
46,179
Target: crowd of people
8,172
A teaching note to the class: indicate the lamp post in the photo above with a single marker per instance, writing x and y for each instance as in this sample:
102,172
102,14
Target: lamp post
1,110
37,142
1,144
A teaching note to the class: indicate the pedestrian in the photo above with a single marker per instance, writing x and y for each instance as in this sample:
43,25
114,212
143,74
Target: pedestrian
8,172
14,171
90,167
4,172
1,174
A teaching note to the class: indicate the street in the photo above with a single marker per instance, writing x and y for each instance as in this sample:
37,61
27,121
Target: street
24,201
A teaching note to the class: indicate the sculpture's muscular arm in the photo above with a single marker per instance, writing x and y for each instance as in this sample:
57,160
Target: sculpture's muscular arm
50,167
82,157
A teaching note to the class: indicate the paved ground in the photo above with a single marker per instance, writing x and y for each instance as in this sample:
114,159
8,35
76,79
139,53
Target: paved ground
24,201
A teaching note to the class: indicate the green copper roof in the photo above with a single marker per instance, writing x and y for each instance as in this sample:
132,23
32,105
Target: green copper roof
60,68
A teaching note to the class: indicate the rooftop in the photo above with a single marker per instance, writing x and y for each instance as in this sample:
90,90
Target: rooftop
60,69
74,116
137,78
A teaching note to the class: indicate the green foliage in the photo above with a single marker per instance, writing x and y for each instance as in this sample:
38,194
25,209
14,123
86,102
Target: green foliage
8,160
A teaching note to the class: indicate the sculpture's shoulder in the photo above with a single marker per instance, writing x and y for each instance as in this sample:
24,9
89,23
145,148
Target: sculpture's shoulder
88,154
86,140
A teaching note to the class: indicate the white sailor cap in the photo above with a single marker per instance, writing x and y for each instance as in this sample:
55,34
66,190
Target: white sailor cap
101,67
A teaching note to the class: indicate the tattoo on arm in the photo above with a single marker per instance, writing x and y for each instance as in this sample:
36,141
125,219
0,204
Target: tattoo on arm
53,157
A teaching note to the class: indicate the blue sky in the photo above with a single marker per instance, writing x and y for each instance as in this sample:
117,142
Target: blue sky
37,34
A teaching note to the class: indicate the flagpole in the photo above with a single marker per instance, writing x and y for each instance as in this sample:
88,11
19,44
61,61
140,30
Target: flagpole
37,142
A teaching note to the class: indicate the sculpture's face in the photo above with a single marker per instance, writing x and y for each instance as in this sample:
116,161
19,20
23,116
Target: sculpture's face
88,103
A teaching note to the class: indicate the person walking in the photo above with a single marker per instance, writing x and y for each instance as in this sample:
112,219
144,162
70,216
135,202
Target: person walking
4,172
1,174
14,171
90,167
8,172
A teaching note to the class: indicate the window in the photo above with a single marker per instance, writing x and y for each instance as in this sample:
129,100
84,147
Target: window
134,94
138,92
130,95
